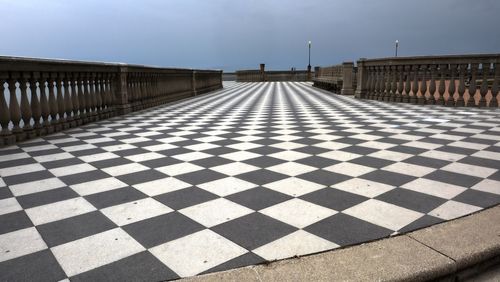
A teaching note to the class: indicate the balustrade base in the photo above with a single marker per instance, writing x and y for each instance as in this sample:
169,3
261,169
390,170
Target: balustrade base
347,92
482,103
460,103
450,102
471,103
6,140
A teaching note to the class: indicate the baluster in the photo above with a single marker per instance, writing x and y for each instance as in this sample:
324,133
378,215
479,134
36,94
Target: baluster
5,135
382,84
422,99
36,109
442,84
100,97
400,86
432,85
451,88
462,69
60,102
373,94
25,106
368,82
111,94
394,83
495,86
414,86
406,97
15,111
88,98
380,81
68,101
387,84
484,84
44,103
74,97
82,99
93,96
53,103
107,98
472,85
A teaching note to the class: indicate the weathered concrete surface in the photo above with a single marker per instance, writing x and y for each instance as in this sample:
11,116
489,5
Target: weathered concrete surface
399,258
468,240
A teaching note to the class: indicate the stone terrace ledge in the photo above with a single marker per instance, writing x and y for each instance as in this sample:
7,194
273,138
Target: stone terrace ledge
452,251
59,94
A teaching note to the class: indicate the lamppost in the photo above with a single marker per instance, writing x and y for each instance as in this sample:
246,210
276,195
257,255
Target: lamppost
309,65
397,44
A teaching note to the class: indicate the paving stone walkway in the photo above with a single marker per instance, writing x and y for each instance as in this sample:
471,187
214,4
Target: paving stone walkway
251,173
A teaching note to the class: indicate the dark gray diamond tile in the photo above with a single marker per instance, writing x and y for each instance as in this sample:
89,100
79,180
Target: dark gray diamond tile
243,260
422,222
27,177
200,176
39,266
333,198
318,162
453,178
115,197
261,176
139,267
161,229
264,161
324,177
429,162
83,177
478,198
412,200
258,198
253,230
73,228
46,197
387,177
371,162
185,197
14,221
141,176
346,230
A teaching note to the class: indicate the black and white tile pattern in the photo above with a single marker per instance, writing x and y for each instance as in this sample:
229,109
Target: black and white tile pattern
251,173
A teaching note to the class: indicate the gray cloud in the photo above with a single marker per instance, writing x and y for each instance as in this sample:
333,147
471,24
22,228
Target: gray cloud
233,34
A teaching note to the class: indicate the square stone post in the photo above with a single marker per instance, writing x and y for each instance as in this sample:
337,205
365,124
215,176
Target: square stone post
361,85
121,102
316,71
347,71
193,83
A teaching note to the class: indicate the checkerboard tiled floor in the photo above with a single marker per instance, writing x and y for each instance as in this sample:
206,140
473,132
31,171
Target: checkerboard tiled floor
252,173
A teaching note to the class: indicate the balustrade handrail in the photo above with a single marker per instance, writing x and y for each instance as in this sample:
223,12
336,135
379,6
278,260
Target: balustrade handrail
49,95
435,59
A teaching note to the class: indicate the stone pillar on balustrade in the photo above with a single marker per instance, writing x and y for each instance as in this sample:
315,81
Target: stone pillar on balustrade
262,72
316,71
347,78
362,80
121,100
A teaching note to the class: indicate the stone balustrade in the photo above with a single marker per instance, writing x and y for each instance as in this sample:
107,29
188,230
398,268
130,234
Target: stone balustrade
41,96
456,80
263,75
336,78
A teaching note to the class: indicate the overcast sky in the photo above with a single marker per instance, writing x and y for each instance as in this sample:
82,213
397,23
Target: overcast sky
240,34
